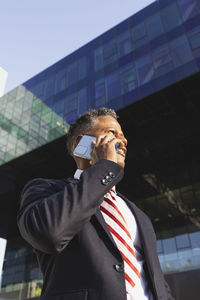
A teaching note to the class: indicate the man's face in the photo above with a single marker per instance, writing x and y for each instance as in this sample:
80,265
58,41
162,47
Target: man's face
107,125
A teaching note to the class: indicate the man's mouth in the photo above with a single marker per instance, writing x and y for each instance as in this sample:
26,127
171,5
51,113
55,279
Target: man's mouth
121,151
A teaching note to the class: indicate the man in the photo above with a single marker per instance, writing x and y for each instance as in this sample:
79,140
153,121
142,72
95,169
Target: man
91,242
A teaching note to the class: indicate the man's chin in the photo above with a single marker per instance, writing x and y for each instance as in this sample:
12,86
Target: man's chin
121,162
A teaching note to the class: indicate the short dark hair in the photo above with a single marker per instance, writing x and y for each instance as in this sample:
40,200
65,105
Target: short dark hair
83,124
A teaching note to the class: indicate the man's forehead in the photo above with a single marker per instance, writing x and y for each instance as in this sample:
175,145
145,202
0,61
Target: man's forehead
106,122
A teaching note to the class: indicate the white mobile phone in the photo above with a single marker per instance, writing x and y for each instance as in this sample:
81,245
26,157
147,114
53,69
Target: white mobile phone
83,149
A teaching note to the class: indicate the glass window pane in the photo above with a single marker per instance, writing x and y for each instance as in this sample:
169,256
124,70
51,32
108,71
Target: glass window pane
182,241
161,56
72,74
113,86
188,8
169,245
128,78
195,240
82,64
70,103
98,58
145,69
195,40
82,101
180,50
99,88
59,107
109,52
124,43
138,31
171,16
60,81
154,26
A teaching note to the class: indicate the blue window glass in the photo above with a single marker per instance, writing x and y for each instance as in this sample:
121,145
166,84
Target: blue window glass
98,58
99,93
72,74
60,81
180,51
154,26
82,68
195,240
82,101
124,43
70,103
128,78
188,8
182,241
49,91
99,88
171,16
161,56
58,107
39,90
139,31
159,246
109,52
194,37
113,86
169,245
145,70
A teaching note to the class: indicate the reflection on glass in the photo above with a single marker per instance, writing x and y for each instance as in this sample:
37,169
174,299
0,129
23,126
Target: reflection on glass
180,253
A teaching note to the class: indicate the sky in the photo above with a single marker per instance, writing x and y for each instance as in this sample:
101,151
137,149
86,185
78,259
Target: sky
34,34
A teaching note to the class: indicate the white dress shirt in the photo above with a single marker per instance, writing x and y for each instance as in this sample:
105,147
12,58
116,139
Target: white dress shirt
141,290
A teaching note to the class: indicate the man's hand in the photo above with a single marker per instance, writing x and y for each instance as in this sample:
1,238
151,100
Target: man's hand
104,148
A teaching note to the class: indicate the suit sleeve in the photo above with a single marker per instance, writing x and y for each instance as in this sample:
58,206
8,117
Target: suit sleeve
48,220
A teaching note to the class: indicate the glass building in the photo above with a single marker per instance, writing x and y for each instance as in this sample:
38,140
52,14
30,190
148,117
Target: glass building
148,69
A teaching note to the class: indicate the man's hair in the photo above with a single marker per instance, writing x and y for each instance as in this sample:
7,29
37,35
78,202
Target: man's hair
83,124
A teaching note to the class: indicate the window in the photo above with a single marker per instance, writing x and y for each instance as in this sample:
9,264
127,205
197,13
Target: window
182,241
112,86
170,17
180,51
72,74
145,69
139,31
98,58
154,26
70,103
99,92
124,43
49,91
58,107
128,78
194,36
109,52
82,68
82,101
161,56
188,8
60,81
169,245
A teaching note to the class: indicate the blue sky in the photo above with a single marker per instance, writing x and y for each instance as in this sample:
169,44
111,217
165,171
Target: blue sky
34,34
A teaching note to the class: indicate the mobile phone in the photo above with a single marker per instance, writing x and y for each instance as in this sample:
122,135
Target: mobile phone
83,149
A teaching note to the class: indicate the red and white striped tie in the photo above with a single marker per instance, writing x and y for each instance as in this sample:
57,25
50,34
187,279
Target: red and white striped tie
118,228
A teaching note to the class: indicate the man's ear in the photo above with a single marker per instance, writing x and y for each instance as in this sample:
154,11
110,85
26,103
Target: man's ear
78,139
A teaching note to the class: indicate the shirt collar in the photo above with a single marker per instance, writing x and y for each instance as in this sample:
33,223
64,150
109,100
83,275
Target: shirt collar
78,173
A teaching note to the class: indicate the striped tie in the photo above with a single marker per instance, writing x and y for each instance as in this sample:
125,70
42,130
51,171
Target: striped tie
118,228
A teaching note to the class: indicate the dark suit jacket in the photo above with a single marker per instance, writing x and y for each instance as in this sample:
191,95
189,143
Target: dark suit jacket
76,252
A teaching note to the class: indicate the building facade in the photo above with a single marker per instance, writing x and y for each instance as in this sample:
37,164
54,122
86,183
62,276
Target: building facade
148,69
